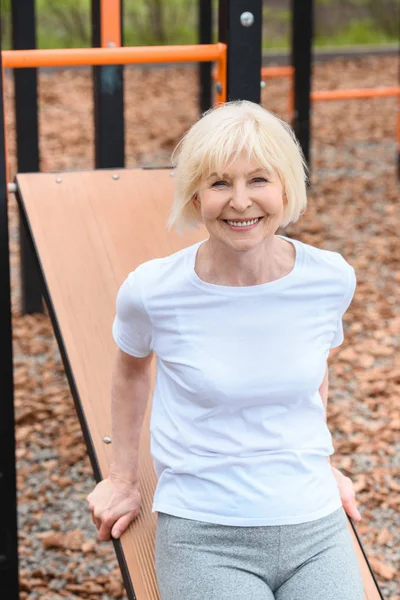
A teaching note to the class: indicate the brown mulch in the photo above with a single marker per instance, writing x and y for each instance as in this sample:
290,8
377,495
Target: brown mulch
353,209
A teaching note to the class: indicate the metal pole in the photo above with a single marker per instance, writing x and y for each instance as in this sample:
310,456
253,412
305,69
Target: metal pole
9,584
205,24
108,86
27,132
302,35
240,27
398,117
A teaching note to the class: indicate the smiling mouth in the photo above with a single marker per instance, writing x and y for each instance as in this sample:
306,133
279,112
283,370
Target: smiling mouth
242,223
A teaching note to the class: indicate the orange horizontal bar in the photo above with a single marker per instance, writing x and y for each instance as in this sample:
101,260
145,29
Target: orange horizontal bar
74,57
267,72
355,93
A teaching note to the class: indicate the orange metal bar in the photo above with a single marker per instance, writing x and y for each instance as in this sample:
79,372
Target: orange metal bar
398,136
110,23
71,57
3,100
291,99
269,72
351,94
221,77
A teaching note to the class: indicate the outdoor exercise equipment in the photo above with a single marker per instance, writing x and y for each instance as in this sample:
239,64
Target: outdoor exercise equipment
84,244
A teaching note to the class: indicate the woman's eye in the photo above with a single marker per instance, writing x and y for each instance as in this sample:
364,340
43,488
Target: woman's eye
260,180
218,183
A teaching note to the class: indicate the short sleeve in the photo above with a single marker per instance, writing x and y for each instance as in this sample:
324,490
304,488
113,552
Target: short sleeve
132,327
348,296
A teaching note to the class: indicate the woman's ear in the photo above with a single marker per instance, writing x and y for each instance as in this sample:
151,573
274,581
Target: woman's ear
196,202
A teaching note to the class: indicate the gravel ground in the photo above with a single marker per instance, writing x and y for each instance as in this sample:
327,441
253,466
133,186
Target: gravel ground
353,208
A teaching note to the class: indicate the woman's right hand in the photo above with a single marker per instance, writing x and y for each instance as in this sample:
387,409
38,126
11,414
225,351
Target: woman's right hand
114,505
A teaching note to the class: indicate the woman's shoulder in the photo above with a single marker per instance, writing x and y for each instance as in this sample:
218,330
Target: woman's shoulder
156,269
322,256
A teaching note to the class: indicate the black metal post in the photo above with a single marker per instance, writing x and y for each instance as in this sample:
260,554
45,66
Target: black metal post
9,584
27,131
302,36
240,27
108,84
398,123
205,24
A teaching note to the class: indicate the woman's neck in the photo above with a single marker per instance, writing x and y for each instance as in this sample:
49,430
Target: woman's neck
220,264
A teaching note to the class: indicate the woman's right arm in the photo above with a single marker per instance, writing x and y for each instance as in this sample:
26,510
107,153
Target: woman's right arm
115,501
130,389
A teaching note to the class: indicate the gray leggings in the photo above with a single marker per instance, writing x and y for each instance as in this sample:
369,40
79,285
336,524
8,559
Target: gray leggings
195,560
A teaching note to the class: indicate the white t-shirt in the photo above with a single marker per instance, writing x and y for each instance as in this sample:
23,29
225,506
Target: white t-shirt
238,431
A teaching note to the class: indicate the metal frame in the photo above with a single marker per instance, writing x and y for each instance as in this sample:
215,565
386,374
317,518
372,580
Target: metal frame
75,57
366,557
302,36
205,36
240,27
8,488
244,49
108,86
27,129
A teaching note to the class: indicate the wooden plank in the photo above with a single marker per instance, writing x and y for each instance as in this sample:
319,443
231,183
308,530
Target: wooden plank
90,230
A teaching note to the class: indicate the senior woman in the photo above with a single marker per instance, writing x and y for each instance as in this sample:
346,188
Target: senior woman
242,324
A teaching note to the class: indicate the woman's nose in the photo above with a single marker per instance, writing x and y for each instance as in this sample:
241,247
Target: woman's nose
240,200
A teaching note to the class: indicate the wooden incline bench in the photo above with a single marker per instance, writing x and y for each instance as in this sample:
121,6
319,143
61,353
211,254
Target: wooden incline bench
89,230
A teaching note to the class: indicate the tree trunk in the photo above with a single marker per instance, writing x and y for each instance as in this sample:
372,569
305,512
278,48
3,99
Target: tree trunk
157,21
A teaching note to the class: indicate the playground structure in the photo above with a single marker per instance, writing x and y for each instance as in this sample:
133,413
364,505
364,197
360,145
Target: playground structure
108,240
332,95
328,95
301,96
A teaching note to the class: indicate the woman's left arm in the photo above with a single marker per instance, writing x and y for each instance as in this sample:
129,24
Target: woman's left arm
345,485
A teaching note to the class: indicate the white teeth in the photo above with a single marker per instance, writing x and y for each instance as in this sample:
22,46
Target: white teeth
242,223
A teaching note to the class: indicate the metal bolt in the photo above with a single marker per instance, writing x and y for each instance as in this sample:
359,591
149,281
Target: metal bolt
111,45
107,440
218,88
247,19
115,176
262,84
58,180
172,173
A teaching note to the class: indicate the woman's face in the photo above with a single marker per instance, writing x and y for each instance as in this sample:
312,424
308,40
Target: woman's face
241,207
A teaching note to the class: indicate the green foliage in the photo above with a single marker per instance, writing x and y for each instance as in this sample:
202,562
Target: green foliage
384,14
357,33
66,23
160,22
63,24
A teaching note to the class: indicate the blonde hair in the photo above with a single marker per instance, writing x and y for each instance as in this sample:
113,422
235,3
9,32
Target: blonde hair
219,137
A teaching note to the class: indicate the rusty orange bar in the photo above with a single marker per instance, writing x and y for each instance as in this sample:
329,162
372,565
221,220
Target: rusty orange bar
352,94
221,78
3,100
291,99
110,23
74,57
398,135
270,72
